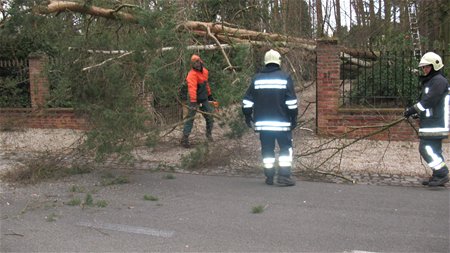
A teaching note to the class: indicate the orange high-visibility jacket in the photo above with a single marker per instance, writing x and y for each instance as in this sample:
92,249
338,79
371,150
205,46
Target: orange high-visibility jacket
198,85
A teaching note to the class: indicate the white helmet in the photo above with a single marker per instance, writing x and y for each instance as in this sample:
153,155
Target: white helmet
431,58
272,56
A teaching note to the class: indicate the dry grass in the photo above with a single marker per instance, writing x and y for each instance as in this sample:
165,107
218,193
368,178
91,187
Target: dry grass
43,167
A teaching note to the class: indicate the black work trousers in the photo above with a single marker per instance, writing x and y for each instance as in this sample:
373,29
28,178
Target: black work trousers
268,141
204,107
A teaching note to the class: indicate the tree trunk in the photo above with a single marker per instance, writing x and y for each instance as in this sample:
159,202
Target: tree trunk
445,25
380,3
372,12
219,29
360,15
320,22
61,6
387,14
337,16
434,23
404,16
283,10
276,17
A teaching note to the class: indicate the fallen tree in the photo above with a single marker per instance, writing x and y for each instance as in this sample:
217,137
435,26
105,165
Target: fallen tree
63,6
221,33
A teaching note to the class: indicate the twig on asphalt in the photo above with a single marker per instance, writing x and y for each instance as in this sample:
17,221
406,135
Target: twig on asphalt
14,233
336,175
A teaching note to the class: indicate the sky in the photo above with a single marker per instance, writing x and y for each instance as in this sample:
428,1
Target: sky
345,12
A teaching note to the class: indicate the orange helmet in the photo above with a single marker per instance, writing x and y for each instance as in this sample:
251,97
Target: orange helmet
195,58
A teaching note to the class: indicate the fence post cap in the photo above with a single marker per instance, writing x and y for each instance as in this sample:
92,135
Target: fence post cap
37,54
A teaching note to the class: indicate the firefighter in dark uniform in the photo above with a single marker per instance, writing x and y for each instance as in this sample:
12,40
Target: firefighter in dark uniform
433,112
270,107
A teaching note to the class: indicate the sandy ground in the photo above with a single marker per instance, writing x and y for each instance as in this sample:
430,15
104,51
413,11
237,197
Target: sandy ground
362,157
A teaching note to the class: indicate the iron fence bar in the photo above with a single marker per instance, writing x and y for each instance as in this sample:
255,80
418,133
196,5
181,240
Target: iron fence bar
365,77
392,80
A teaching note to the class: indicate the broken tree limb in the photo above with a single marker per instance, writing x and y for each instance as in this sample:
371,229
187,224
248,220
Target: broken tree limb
226,38
223,51
202,47
172,127
355,61
224,32
192,47
230,33
364,54
62,6
242,33
106,61
219,32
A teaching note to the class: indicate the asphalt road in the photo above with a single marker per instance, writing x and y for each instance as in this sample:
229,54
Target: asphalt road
196,213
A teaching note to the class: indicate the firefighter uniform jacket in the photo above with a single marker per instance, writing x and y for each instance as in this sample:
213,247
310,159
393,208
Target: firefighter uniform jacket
433,107
271,99
198,85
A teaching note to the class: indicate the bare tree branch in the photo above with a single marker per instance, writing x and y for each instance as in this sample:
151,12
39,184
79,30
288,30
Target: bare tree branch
106,61
62,6
339,149
221,49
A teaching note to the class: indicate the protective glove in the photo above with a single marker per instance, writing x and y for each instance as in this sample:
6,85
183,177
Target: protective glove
249,121
409,112
210,98
293,123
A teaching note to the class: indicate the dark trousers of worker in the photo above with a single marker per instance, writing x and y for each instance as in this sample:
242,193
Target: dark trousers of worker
431,152
268,141
204,107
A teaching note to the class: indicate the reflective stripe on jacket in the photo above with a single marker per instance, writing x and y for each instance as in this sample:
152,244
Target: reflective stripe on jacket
271,100
433,107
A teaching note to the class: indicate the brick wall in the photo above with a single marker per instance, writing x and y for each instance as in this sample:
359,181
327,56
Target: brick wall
43,118
352,122
38,116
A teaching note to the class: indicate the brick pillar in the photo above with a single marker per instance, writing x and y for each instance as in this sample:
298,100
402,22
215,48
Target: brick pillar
328,81
38,80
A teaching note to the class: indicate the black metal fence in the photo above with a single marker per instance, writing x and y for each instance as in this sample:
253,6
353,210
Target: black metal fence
381,81
14,83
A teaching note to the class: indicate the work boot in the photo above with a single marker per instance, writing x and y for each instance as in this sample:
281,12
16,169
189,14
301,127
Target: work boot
426,181
438,181
285,181
284,177
185,141
269,180
269,173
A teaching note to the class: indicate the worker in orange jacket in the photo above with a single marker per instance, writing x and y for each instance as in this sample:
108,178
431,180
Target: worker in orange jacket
199,95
